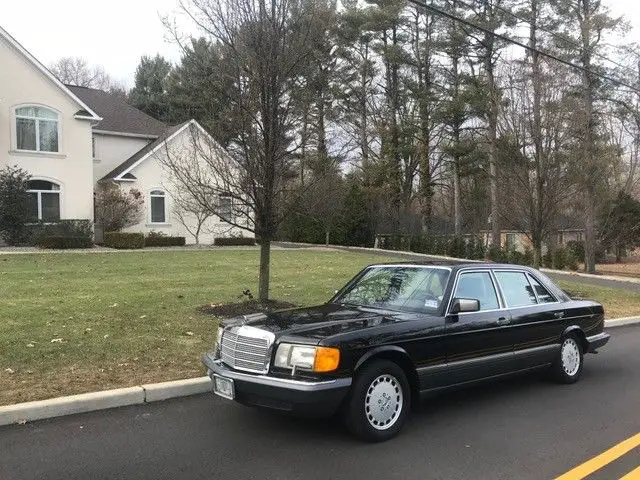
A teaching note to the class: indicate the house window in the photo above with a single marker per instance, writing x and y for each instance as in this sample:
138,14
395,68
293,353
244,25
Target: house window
37,129
225,209
511,241
44,201
158,206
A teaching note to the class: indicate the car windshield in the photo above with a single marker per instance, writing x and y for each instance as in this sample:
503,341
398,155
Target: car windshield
404,288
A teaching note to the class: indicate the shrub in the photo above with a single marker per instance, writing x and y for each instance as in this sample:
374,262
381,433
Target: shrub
576,248
571,261
63,242
164,241
116,209
14,210
559,259
516,257
233,241
124,241
528,257
547,260
64,228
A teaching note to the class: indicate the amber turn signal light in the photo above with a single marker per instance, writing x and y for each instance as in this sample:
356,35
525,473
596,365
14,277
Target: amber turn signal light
327,359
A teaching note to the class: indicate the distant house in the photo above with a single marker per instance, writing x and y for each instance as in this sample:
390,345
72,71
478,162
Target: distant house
567,229
70,138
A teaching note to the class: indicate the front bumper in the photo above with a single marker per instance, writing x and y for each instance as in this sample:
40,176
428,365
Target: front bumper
597,341
307,398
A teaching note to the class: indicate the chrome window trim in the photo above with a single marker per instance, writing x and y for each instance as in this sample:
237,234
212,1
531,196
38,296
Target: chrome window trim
501,299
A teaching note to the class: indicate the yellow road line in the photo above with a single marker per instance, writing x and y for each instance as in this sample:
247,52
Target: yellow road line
603,459
635,475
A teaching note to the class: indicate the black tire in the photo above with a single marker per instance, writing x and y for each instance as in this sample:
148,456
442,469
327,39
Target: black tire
564,370
390,378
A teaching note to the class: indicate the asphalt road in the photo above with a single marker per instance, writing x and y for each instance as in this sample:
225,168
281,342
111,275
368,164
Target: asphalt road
524,428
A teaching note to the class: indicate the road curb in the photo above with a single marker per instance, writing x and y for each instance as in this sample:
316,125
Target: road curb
149,393
90,402
621,322
157,392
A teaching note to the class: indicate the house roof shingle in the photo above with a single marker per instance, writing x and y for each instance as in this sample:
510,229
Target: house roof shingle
120,169
117,115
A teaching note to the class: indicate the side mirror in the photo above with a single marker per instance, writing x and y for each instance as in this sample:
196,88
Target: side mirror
465,305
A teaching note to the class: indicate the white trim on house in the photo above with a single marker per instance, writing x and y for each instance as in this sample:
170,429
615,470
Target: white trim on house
14,43
39,193
124,134
152,152
165,197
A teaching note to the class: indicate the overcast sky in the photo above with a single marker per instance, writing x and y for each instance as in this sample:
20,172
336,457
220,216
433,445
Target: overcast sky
117,33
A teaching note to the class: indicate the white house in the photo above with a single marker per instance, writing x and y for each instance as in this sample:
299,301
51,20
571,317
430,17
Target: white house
70,138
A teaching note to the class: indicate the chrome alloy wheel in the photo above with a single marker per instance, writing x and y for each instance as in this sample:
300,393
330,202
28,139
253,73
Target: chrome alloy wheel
570,357
383,402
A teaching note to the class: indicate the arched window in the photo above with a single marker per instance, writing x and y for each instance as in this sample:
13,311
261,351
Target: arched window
44,200
158,206
37,129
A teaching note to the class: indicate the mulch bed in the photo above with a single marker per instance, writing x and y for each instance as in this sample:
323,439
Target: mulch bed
245,308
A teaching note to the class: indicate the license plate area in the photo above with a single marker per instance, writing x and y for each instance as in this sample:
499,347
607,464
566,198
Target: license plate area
224,387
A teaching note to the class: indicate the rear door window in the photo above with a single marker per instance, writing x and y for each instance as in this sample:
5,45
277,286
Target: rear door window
516,289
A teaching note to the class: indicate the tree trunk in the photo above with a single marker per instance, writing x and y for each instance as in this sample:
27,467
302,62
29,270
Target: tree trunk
326,237
265,262
492,134
457,212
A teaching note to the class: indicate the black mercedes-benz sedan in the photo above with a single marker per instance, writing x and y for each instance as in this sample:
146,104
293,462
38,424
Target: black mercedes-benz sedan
398,331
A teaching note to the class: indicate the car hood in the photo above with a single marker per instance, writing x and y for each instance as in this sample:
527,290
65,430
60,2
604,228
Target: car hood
316,323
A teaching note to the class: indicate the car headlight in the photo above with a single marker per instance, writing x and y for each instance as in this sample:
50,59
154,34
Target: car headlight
304,357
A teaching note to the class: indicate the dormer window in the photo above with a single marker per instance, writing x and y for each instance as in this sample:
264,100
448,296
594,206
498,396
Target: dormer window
37,129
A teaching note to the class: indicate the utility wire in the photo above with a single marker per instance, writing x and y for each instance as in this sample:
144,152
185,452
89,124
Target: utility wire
504,38
555,34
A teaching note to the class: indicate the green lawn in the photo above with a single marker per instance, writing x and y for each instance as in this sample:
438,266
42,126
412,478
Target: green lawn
72,323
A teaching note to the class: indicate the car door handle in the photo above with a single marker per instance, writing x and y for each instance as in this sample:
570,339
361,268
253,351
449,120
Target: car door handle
558,314
503,321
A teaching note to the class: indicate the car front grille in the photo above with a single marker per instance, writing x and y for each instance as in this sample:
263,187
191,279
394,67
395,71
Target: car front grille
246,348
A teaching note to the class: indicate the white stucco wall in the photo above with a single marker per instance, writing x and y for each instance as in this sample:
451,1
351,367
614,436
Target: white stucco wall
151,175
112,150
72,168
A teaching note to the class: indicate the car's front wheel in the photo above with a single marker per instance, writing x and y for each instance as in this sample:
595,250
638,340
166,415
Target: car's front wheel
568,365
379,401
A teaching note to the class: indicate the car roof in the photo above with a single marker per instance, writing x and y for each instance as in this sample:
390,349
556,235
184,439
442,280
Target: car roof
454,265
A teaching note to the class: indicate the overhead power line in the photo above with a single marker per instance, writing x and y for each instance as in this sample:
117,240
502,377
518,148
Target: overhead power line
507,39
556,34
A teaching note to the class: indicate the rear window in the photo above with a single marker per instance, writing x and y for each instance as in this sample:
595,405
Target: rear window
517,290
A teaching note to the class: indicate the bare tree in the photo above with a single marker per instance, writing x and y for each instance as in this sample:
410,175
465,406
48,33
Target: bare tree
77,71
191,214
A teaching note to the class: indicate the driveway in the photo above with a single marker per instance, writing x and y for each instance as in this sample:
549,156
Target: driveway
524,428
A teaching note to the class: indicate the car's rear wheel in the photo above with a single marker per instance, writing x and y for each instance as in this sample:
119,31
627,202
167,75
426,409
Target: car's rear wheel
379,401
568,365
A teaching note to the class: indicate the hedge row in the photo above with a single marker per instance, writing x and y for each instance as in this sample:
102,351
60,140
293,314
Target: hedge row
164,241
234,241
124,241
133,241
62,234
60,242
